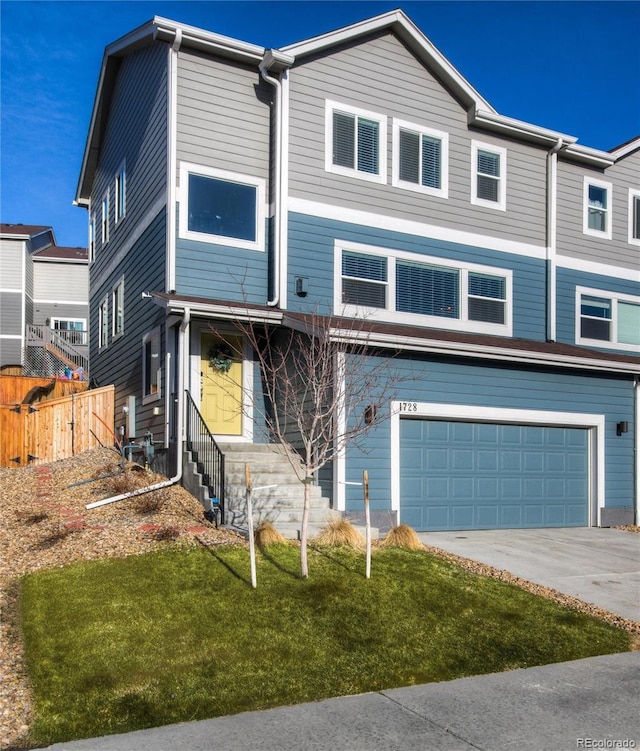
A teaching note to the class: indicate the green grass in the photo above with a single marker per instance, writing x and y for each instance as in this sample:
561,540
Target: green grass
117,645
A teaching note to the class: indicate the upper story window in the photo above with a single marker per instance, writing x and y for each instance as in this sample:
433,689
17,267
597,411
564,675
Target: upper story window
606,318
420,159
118,308
103,323
355,142
222,207
597,209
105,218
151,366
120,197
488,175
634,216
394,285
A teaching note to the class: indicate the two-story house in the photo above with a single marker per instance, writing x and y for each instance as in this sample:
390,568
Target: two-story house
360,174
44,302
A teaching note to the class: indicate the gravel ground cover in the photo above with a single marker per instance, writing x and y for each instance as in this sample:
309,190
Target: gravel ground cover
44,523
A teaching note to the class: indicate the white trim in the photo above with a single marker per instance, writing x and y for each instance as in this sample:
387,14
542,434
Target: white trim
119,284
615,298
595,423
188,168
329,166
595,267
420,130
103,325
501,203
390,314
418,229
634,195
637,451
608,214
104,219
284,189
58,301
11,336
120,191
91,239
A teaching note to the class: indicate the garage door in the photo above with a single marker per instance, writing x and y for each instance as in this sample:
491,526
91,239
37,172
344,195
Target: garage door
464,475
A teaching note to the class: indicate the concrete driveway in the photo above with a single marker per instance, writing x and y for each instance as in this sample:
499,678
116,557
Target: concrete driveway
595,564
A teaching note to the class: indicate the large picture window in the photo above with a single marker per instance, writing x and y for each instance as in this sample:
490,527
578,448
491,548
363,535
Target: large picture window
355,142
222,207
395,285
604,318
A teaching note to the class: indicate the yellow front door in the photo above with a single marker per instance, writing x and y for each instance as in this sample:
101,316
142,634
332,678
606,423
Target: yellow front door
221,384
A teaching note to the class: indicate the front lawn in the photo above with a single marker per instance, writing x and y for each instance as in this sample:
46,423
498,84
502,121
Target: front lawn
122,644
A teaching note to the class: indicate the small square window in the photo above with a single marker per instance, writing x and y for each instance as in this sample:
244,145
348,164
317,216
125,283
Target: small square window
597,210
420,159
355,142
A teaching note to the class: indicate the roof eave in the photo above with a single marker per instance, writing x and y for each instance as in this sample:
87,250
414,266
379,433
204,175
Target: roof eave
518,128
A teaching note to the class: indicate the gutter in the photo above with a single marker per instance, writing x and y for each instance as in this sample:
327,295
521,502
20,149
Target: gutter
182,365
552,199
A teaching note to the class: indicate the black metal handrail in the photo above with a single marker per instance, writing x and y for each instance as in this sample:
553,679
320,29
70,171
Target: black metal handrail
206,454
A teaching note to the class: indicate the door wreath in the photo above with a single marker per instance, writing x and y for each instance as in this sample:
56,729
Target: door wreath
221,357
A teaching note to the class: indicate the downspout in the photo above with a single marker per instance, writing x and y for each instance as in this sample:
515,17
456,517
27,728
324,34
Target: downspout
172,115
636,451
552,199
277,179
182,366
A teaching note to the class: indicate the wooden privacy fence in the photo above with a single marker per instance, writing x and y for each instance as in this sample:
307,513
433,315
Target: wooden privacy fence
56,429
15,388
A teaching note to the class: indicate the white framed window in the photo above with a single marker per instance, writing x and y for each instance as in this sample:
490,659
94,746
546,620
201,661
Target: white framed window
222,207
607,318
151,366
393,285
118,309
103,323
420,159
596,219
488,175
120,193
355,142
104,221
72,330
634,216
92,241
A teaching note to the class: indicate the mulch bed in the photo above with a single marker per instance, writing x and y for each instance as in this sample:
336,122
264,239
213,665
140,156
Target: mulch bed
44,524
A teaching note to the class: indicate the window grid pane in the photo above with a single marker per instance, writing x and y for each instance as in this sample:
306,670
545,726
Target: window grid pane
343,140
595,321
368,138
628,323
364,280
636,218
427,290
409,157
431,162
222,208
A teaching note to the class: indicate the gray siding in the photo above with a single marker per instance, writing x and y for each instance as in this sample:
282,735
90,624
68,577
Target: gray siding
67,282
10,351
43,311
136,133
11,255
381,75
571,240
11,314
223,115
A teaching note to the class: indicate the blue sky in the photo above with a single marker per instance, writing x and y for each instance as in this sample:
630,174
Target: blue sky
573,67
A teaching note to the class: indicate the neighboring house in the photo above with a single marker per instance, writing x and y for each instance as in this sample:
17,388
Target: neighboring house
359,173
44,301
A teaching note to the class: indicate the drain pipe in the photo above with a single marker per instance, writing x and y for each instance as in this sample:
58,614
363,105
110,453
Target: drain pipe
552,209
182,349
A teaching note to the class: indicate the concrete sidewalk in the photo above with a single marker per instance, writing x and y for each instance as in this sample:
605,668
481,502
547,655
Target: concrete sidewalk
551,708
594,564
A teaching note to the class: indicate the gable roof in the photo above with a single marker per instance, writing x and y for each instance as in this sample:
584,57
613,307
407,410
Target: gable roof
23,231
56,253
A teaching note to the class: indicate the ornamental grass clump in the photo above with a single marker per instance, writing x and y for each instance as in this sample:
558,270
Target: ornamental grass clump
402,536
340,533
266,534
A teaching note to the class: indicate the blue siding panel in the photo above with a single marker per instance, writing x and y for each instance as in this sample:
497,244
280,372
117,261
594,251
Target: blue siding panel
311,252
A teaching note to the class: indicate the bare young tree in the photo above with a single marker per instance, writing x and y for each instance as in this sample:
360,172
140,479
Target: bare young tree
321,389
